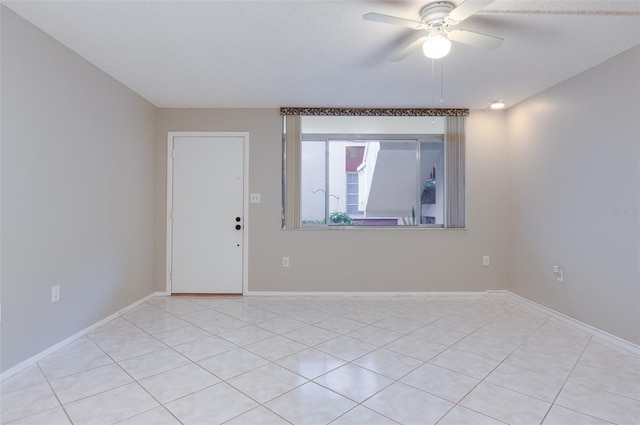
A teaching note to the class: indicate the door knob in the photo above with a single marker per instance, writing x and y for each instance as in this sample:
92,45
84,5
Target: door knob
238,227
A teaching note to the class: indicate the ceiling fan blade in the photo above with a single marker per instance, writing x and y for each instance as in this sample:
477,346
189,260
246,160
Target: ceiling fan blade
475,39
386,19
407,50
466,9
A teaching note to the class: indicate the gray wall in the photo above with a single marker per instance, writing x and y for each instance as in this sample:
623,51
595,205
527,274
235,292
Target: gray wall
78,176
574,173
356,260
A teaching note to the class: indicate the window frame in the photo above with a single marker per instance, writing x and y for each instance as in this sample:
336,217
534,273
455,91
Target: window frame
455,215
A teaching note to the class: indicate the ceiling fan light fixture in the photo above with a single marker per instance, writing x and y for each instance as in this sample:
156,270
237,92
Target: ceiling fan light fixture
497,104
436,46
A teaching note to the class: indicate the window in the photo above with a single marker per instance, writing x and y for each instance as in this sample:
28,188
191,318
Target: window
384,182
373,171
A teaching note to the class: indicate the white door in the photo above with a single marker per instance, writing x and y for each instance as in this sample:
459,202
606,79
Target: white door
207,214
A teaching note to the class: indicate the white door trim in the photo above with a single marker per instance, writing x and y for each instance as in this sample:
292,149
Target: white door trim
245,207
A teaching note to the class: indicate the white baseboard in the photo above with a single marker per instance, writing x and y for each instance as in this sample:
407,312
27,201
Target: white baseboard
612,339
358,294
32,360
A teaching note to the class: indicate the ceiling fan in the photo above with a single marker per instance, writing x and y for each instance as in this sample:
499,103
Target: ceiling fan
436,18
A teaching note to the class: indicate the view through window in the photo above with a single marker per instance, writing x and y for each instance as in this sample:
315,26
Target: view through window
382,181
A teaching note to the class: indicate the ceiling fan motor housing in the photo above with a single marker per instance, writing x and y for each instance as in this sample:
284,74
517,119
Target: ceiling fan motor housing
436,12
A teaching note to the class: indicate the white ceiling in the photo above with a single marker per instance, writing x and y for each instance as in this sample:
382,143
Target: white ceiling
321,53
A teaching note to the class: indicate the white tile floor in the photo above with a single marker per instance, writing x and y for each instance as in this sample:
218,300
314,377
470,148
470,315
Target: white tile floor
478,359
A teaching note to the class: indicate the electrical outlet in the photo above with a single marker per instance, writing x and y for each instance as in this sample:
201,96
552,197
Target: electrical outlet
485,260
55,294
285,261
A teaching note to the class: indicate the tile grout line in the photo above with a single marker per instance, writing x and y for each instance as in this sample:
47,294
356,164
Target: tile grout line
226,380
133,378
553,403
329,371
192,362
492,370
55,395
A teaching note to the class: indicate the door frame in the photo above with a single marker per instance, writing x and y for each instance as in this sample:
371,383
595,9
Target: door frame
245,204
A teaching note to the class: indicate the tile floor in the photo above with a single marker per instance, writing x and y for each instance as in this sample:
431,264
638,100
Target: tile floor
446,360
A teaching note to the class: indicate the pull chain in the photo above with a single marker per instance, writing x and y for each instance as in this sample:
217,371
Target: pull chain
433,77
441,84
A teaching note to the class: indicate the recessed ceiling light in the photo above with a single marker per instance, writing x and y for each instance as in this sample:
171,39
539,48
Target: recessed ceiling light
497,104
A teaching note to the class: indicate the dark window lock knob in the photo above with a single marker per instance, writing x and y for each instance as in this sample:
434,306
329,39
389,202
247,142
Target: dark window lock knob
238,219
238,227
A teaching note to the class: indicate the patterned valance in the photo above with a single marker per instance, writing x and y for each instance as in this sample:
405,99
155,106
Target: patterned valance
377,112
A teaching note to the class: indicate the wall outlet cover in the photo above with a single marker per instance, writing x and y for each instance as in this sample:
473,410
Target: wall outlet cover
55,294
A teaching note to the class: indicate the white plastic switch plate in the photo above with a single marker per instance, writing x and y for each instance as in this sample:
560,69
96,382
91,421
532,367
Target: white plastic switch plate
55,294
559,273
485,260
285,261
254,198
